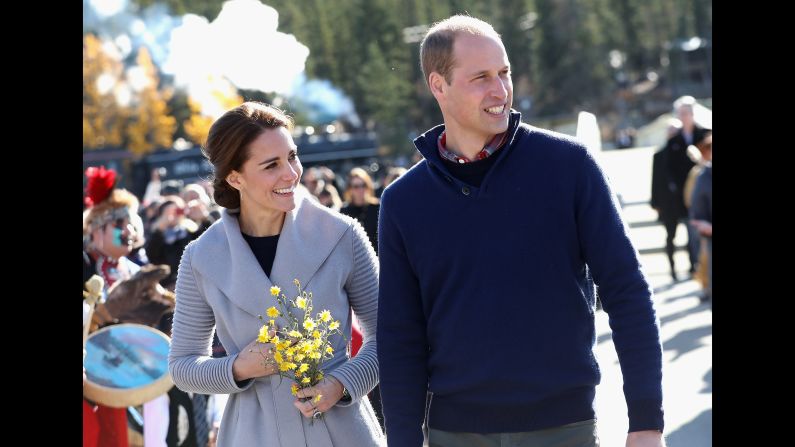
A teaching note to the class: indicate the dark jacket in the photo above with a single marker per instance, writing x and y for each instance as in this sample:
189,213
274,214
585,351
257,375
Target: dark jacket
669,174
368,217
701,208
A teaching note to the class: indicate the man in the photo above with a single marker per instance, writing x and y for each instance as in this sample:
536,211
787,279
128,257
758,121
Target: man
488,248
670,168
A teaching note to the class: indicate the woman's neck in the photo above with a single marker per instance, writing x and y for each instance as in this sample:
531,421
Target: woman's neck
259,224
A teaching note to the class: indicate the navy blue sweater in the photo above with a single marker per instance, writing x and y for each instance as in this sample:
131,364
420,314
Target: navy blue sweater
486,295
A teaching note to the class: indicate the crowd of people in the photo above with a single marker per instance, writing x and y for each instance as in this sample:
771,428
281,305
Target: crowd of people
684,162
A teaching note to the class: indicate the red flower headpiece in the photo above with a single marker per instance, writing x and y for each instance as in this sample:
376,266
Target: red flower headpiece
100,184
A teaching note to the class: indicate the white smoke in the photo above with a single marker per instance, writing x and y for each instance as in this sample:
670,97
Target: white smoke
323,103
242,46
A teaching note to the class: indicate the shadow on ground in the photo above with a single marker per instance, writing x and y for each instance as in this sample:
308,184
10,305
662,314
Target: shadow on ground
696,433
686,341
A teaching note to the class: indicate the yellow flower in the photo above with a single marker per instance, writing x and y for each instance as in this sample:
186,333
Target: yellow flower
299,357
309,324
329,349
275,290
278,357
315,355
319,376
263,334
317,398
275,340
325,316
305,380
294,389
303,368
289,351
316,334
272,312
301,302
272,322
334,325
294,333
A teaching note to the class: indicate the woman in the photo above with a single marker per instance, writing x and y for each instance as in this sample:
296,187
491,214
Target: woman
269,234
362,204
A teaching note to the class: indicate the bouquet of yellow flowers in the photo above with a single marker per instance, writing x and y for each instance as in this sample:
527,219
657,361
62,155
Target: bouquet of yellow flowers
300,347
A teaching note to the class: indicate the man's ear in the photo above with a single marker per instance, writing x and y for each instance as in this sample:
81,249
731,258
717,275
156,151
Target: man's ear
233,178
437,84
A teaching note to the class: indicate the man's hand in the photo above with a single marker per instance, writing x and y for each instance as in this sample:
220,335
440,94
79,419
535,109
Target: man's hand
645,438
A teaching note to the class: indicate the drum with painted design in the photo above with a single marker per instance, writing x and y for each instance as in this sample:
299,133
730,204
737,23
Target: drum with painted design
126,365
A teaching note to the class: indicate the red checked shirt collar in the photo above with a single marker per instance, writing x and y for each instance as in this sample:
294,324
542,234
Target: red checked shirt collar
490,148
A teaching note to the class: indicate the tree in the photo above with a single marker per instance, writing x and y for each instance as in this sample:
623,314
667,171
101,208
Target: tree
384,98
572,64
206,8
103,118
150,126
197,126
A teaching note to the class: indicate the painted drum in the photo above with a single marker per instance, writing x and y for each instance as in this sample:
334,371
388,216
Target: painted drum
126,365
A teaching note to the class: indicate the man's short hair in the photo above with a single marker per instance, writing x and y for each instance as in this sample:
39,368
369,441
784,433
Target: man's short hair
436,49
684,101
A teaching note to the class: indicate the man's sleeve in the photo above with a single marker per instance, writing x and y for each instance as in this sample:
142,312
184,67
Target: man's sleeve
625,293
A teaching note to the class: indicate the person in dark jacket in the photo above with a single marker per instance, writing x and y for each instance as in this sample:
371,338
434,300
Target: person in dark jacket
490,249
361,203
701,212
172,230
670,168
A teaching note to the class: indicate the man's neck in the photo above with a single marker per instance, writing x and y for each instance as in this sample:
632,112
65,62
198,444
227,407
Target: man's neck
466,144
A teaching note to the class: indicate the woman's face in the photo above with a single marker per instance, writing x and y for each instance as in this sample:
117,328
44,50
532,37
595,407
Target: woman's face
268,178
357,187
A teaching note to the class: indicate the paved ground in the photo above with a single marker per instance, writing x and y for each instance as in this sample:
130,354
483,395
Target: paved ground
686,323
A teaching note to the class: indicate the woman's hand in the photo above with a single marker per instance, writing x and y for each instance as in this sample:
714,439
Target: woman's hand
329,391
255,360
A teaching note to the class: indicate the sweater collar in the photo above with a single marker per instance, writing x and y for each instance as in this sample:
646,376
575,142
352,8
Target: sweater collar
427,145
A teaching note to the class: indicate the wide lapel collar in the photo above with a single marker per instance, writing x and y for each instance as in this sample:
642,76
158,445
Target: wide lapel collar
228,262
308,237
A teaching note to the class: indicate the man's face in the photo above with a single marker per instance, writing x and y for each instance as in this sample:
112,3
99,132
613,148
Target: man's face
685,114
477,102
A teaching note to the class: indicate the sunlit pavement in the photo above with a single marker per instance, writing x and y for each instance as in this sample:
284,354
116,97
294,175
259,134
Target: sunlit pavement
686,323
